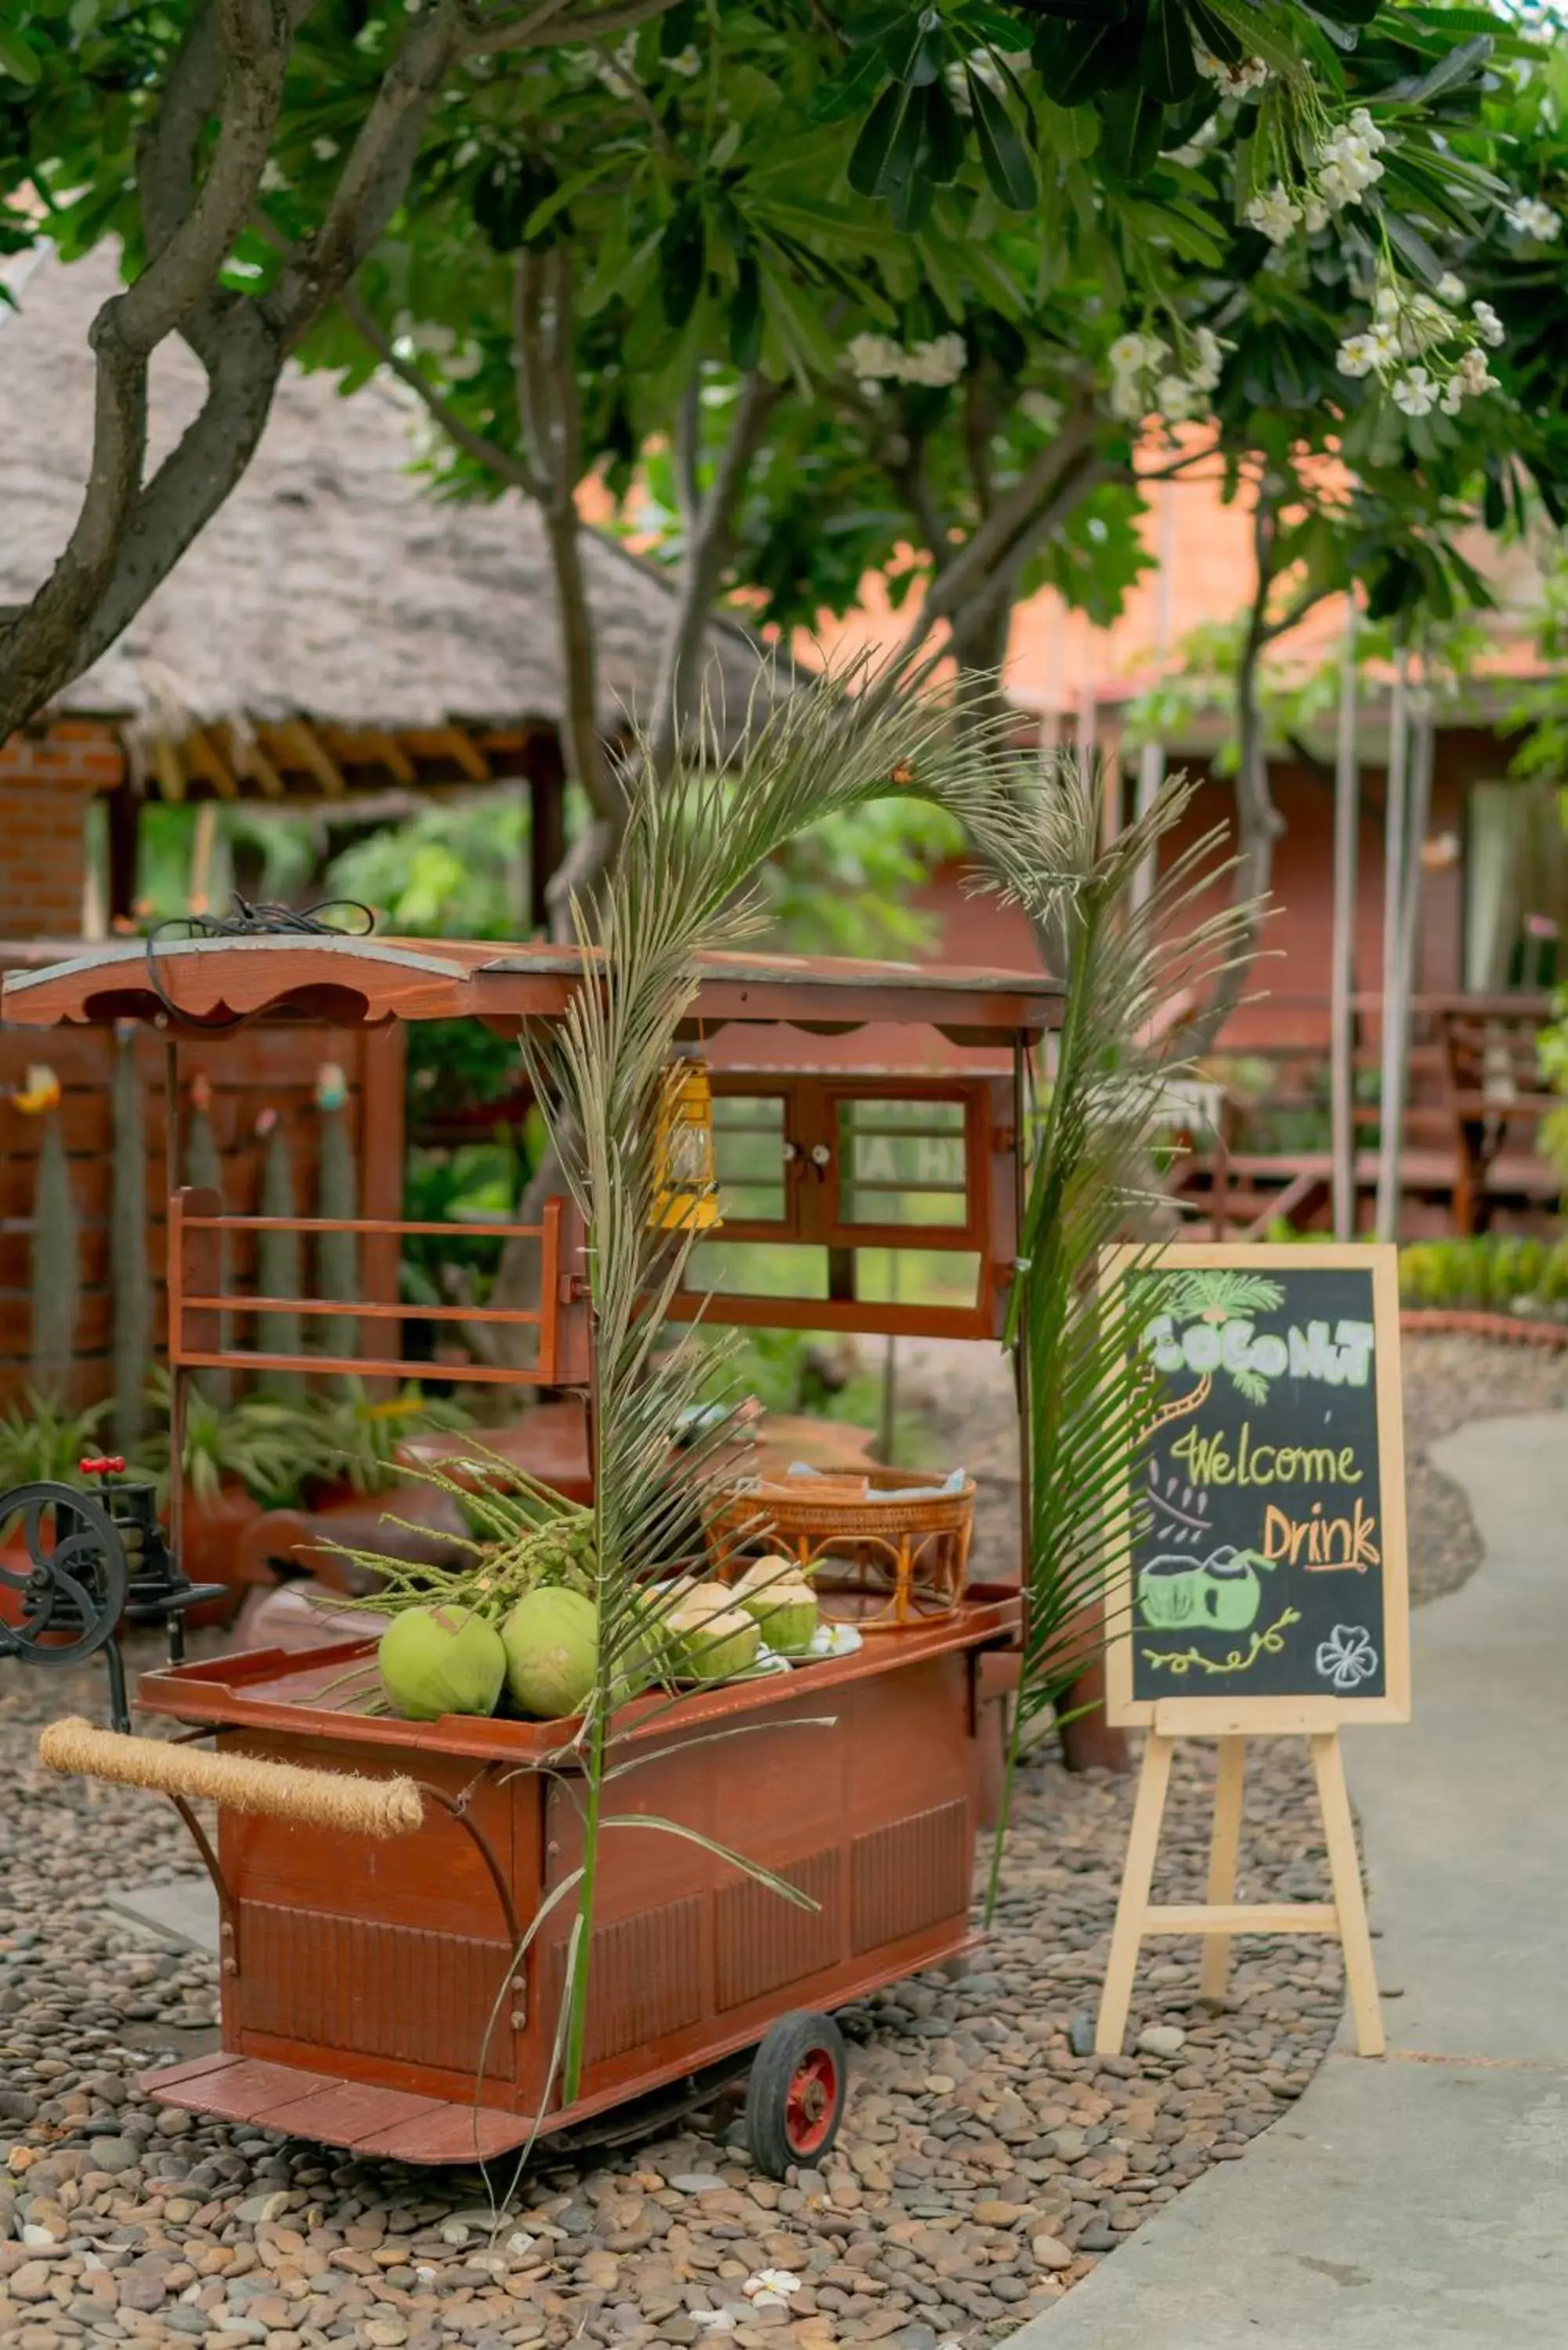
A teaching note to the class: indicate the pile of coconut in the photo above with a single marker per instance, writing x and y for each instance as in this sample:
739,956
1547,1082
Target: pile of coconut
541,1659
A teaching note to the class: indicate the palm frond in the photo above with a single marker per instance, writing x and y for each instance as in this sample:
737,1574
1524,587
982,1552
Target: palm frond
684,885
1083,1362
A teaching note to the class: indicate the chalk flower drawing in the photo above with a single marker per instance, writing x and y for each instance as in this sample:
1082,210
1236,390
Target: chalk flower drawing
1347,1656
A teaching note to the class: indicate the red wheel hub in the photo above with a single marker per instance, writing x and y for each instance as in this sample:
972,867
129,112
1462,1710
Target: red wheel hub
811,2102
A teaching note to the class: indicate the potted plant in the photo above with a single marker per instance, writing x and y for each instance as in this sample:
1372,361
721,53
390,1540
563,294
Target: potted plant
238,1460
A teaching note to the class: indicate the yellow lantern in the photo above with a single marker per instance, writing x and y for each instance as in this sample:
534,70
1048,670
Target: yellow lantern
686,1181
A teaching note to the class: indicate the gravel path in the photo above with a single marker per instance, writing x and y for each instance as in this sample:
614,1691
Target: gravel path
983,2168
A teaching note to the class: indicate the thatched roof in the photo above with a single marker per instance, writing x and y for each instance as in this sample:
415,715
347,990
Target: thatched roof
331,585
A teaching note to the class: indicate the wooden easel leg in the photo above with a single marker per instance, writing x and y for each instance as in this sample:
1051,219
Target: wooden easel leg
1215,1968
1143,1844
1345,1871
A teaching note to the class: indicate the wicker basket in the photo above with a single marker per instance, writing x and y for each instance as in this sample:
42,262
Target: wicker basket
883,1563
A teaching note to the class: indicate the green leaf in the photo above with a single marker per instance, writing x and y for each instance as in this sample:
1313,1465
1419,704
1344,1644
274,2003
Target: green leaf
1167,68
942,158
1414,247
1009,168
1077,62
1458,66
682,251
1133,124
19,59
747,316
890,139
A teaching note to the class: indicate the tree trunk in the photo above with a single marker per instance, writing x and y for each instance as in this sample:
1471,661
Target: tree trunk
1341,1013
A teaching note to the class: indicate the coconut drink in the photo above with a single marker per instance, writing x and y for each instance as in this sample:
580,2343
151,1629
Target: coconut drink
775,1593
713,1640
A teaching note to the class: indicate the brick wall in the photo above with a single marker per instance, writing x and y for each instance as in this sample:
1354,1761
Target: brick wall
45,783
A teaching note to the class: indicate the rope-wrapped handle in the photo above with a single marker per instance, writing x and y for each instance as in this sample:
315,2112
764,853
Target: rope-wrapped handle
243,1783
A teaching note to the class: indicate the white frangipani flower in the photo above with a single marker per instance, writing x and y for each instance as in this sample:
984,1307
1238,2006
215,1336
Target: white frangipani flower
1414,392
1473,375
1489,326
274,178
1276,213
687,63
1357,355
1532,218
1177,399
1450,288
1245,79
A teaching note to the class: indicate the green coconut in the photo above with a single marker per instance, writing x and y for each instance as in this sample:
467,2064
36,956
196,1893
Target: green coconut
551,1638
715,1639
440,1659
776,1594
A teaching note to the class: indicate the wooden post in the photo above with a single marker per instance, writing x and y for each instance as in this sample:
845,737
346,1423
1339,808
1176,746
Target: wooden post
123,809
546,823
1349,1900
1225,1846
1391,1093
1342,1038
1132,1906
1219,1917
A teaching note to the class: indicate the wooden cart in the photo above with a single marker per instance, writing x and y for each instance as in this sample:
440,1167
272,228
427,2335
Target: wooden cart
373,1993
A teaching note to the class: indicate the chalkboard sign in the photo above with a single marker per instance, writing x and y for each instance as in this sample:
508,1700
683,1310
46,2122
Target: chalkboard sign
1264,1576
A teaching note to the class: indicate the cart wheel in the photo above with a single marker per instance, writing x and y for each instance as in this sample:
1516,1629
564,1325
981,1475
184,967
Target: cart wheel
794,2100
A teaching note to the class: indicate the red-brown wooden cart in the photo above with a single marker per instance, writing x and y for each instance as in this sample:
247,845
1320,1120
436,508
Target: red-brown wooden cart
383,1993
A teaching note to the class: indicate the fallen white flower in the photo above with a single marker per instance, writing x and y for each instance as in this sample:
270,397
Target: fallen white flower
770,2284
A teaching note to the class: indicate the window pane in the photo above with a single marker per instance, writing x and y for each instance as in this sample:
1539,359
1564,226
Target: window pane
901,1162
748,1152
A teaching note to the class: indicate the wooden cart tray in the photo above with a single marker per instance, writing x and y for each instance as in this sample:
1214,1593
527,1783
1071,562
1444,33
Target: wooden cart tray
276,1688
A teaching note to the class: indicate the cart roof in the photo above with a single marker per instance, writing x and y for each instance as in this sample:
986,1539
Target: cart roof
351,982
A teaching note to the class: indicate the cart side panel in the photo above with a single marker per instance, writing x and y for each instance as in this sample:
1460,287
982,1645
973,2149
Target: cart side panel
382,1962
870,1813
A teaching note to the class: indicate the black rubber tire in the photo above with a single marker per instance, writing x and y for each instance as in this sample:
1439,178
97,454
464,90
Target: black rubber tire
799,2042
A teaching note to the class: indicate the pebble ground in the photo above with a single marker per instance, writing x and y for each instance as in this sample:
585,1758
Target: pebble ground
983,2166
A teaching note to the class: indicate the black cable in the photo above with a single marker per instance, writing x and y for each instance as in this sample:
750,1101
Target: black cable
247,921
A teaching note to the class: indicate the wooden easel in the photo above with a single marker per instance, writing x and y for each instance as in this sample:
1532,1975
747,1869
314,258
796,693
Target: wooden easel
1222,1915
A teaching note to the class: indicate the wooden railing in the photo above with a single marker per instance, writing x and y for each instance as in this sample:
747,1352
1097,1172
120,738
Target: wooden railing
1475,1104
199,1306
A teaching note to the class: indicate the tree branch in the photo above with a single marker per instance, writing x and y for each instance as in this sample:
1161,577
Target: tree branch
543,363
41,646
503,461
1059,479
709,548
910,478
1259,822
372,181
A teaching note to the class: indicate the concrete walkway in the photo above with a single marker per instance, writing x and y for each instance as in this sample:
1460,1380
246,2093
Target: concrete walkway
1420,2202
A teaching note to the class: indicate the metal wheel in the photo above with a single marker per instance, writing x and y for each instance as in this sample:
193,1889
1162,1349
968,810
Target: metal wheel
74,1587
795,2101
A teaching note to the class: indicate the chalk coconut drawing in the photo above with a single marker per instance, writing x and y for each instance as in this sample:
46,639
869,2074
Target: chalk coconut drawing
1213,1298
1221,1593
